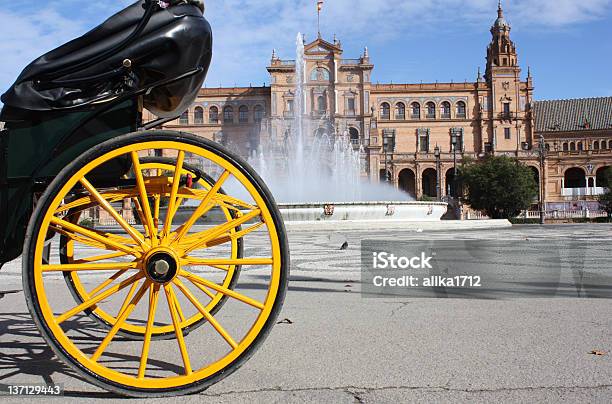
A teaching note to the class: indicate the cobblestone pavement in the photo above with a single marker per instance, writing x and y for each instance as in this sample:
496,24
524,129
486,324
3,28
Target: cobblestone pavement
342,347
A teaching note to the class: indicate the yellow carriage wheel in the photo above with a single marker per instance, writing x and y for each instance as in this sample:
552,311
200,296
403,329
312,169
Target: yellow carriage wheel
151,276
159,167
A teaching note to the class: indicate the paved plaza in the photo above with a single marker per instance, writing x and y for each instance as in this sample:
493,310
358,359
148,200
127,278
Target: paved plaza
335,345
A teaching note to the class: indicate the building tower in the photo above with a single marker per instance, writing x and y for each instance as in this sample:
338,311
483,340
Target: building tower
506,106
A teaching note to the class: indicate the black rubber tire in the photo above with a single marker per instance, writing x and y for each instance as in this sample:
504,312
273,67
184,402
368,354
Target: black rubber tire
169,335
32,235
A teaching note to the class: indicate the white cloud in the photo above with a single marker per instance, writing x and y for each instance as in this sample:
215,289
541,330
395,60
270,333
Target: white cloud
247,30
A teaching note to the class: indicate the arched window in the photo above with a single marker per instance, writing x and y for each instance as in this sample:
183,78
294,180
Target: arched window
259,113
354,134
319,74
565,147
572,146
610,145
213,115
385,111
198,116
184,119
580,148
400,111
243,114
461,112
321,104
228,114
446,110
575,178
431,110
416,110
596,145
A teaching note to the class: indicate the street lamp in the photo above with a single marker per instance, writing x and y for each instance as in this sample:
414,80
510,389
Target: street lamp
437,155
454,141
542,153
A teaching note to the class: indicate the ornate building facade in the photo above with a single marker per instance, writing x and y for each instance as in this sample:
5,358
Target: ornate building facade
414,135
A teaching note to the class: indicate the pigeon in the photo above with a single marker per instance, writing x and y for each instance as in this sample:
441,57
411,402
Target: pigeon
344,245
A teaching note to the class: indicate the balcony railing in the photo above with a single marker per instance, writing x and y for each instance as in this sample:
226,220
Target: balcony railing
576,192
350,61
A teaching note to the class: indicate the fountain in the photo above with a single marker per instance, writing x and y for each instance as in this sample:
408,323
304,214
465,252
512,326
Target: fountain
317,177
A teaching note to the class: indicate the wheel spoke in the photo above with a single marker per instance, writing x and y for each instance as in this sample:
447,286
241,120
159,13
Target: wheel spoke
221,289
124,314
88,267
204,207
107,282
175,186
211,319
177,305
100,257
226,238
94,236
135,234
216,231
226,261
177,328
143,195
92,301
153,299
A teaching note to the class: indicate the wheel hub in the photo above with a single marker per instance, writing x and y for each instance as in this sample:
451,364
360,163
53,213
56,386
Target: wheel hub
161,266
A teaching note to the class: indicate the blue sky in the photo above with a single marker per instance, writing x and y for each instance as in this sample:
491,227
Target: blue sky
567,43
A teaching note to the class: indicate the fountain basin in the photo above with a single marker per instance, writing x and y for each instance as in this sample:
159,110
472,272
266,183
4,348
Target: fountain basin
378,211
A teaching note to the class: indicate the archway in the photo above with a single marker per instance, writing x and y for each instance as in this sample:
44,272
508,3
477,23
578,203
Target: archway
407,182
575,177
429,182
453,187
602,177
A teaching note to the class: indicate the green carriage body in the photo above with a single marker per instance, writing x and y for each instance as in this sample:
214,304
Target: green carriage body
34,152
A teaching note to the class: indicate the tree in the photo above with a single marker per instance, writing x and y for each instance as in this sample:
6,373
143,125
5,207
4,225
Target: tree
605,200
498,185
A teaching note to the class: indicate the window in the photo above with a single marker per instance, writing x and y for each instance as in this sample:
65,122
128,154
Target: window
610,145
198,116
416,110
184,119
446,110
213,115
350,106
385,111
259,113
354,134
461,112
228,114
596,145
565,147
243,114
507,133
457,139
431,110
423,140
506,109
580,147
289,107
572,146
319,74
388,140
321,104
400,111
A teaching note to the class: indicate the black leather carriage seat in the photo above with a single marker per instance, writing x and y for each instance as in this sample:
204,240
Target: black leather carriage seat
176,40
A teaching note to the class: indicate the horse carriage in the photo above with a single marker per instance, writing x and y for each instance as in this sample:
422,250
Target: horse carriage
151,304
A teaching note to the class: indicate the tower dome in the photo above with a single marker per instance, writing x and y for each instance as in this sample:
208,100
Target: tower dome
501,21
